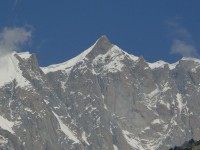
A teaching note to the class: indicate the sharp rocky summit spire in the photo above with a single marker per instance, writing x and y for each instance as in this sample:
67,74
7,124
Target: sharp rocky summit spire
101,46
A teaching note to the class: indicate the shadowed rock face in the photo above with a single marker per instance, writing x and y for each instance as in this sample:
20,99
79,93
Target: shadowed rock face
102,46
102,99
189,145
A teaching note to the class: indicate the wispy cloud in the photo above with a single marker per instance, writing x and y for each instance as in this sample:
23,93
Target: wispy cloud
182,42
183,48
13,39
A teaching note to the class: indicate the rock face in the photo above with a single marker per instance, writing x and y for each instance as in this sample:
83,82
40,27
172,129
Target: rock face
189,145
103,99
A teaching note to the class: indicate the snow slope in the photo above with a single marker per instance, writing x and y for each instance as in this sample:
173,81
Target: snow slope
68,64
9,68
6,125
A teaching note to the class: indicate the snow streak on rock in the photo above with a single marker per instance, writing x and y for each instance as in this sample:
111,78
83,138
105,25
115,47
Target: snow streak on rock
65,129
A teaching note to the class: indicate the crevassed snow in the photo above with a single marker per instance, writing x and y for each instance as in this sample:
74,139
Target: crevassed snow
10,70
6,125
66,130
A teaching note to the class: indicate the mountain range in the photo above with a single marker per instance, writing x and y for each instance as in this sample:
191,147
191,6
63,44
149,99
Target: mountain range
103,99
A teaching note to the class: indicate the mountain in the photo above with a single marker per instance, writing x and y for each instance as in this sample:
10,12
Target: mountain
103,99
189,145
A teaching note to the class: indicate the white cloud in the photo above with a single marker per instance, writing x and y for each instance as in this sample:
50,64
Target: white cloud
13,39
183,48
182,42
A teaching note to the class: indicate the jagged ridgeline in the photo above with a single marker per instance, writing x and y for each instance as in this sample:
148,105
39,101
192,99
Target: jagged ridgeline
103,99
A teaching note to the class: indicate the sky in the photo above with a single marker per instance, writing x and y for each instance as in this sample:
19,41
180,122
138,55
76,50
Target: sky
57,30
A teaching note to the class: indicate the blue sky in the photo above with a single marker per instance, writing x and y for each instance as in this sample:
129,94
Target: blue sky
62,29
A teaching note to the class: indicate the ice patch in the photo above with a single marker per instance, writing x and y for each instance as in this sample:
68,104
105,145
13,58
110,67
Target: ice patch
91,108
98,121
146,128
153,93
166,87
46,101
85,138
165,104
156,121
104,105
29,110
63,85
179,101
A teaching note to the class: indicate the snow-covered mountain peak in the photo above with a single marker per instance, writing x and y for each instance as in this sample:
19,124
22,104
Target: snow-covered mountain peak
103,39
101,46
107,57
102,94
102,52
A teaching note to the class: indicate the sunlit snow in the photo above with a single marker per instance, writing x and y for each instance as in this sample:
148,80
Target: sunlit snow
66,129
6,125
9,69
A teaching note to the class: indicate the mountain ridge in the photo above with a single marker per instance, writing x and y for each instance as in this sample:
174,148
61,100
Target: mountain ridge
104,39
106,100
